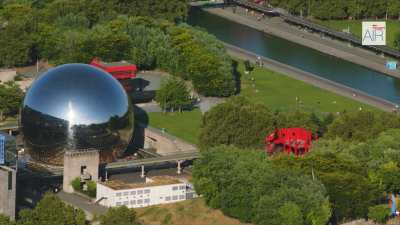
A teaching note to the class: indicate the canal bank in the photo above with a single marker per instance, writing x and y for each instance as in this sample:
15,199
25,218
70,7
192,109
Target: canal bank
312,79
298,56
276,26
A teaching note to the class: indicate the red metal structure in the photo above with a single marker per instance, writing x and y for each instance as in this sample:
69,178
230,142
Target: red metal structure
119,70
293,140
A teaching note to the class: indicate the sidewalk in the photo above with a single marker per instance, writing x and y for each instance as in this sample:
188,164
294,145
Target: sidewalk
277,27
85,204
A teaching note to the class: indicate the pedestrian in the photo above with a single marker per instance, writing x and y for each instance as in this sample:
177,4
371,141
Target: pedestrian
259,60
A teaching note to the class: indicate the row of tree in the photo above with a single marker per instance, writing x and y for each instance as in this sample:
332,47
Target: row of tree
245,124
144,33
52,211
341,9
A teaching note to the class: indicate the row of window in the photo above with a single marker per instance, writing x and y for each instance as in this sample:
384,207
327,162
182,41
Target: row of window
134,202
174,198
175,188
139,192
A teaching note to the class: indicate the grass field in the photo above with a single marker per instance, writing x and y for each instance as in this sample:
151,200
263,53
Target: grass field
392,28
274,90
185,125
193,212
279,92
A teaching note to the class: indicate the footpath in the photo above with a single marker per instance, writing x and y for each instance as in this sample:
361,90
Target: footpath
276,26
313,79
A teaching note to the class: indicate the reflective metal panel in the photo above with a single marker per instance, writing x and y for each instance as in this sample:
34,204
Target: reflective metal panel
76,106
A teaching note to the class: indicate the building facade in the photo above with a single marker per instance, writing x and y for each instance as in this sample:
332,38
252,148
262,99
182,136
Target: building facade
154,191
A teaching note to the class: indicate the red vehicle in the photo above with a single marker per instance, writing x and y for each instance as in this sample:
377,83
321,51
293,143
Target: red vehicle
120,70
293,140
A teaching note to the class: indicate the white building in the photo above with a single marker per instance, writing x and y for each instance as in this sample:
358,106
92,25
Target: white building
153,191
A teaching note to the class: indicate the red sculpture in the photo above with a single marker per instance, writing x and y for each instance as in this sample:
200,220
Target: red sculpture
293,140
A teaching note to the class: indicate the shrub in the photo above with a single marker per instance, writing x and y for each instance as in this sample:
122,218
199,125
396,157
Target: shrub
76,184
91,189
379,213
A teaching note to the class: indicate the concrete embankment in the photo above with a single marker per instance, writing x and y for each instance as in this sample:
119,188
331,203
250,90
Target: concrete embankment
312,79
277,27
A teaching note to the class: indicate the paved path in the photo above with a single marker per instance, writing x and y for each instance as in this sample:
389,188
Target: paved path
277,27
83,203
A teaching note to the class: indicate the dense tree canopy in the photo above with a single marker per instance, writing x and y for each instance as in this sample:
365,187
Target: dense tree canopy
224,174
362,125
51,211
341,9
244,124
357,160
146,33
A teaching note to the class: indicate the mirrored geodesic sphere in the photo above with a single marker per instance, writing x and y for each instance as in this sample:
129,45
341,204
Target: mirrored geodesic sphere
76,107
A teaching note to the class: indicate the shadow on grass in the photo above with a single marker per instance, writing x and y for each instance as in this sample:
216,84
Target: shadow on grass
236,76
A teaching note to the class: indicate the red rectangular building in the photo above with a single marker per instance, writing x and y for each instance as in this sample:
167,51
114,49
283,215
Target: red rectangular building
119,70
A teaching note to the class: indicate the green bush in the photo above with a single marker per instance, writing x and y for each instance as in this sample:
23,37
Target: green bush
91,189
76,184
379,213
173,94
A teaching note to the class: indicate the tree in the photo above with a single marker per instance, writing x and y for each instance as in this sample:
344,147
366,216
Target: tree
236,122
173,94
397,40
119,216
5,220
299,119
361,125
290,214
219,176
16,34
11,97
345,176
173,10
52,211
379,213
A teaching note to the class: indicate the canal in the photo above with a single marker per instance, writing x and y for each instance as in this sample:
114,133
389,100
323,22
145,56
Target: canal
307,59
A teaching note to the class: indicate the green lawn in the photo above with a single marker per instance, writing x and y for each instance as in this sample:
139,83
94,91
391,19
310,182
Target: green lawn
184,125
392,28
274,90
279,92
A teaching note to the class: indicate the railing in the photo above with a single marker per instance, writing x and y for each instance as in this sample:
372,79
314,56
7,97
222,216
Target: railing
152,161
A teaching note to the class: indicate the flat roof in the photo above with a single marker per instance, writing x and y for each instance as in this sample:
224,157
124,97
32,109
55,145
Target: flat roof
122,63
152,181
160,176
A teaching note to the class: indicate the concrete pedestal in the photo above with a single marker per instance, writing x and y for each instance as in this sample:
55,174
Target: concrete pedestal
80,164
7,191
